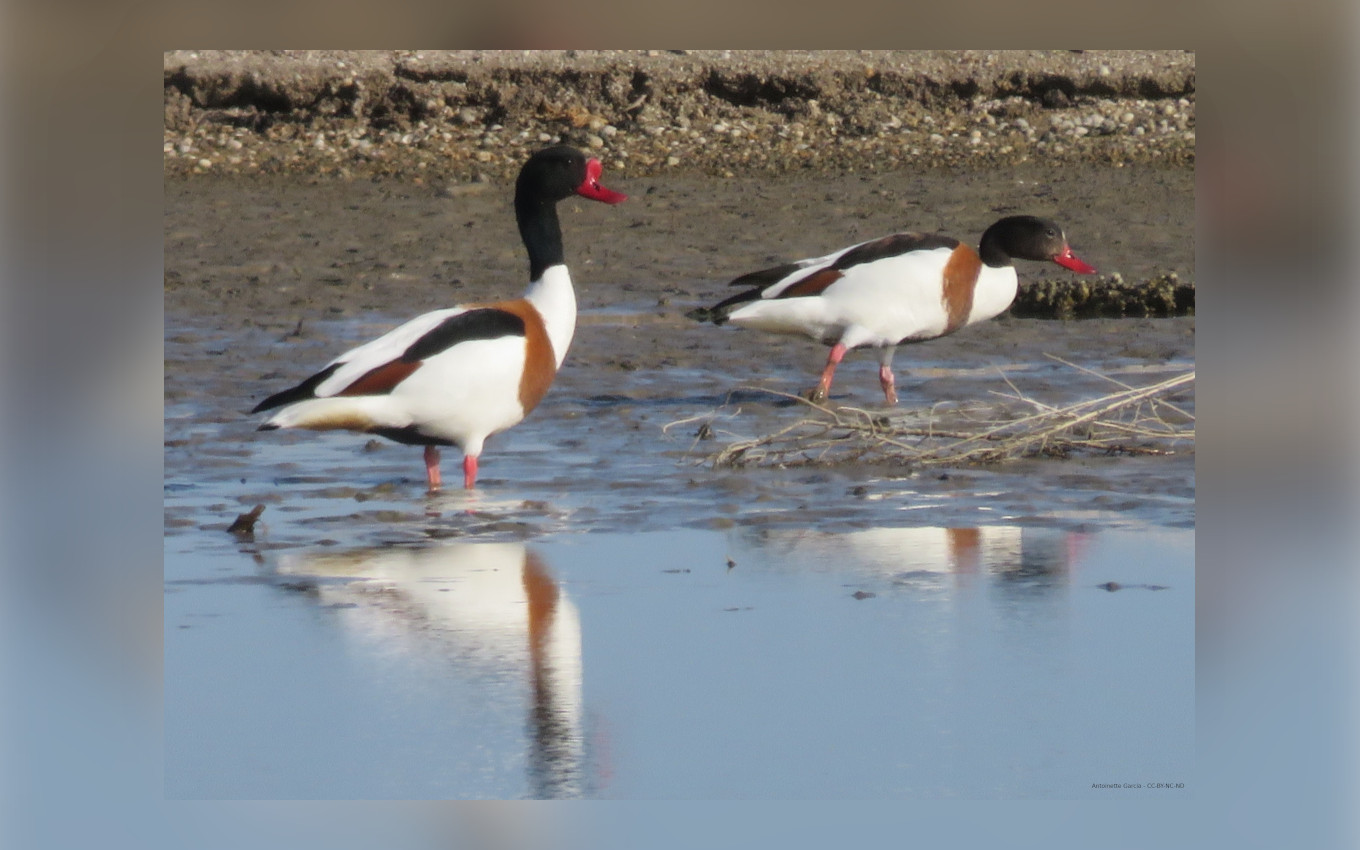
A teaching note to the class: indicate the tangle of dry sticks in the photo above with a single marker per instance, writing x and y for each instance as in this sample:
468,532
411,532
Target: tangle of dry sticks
1131,420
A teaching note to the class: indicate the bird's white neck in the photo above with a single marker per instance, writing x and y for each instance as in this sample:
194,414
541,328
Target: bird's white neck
555,300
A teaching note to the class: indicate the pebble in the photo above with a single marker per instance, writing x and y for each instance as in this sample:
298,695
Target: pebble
842,131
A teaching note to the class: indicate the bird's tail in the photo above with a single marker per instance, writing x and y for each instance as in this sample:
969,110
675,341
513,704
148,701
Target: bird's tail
348,413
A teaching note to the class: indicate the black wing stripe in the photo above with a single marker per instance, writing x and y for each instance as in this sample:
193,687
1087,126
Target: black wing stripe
481,323
766,277
304,390
893,246
718,312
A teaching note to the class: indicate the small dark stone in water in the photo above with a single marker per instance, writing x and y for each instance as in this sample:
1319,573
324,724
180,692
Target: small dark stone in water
1111,586
863,594
244,526
731,563
861,491
705,432
373,445
943,476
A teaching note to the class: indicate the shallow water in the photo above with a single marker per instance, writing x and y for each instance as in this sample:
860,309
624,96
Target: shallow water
983,662
607,615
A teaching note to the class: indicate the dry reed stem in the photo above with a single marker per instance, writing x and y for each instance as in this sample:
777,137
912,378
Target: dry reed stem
1130,421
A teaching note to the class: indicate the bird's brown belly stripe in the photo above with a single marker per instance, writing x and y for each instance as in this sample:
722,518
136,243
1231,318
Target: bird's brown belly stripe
960,281
540,363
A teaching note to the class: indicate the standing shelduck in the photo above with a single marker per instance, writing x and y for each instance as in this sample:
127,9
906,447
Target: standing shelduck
908,287
453,377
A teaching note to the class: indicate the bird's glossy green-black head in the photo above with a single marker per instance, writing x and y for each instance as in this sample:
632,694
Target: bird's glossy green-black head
561,171
1028,237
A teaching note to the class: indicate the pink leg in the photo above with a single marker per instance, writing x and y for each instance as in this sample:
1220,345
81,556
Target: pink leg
469,471
824,385
885,377
432,467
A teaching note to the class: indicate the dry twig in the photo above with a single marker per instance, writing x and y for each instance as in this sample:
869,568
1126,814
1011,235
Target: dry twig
1133,420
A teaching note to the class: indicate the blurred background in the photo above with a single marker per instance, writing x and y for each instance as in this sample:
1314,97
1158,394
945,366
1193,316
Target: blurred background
80,422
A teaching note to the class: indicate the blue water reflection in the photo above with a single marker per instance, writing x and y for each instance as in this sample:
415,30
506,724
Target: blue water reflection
991,662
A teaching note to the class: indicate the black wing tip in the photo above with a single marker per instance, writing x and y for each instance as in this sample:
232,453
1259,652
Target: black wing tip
278,400
268,426
766,277
716,314
719,312
302,391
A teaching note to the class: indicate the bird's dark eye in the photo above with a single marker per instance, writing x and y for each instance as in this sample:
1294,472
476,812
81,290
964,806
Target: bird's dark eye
1051,233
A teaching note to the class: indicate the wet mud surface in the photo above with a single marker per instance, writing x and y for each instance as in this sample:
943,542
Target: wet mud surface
268,278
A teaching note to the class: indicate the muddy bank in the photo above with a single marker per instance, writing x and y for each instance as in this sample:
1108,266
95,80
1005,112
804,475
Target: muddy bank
469,115
276,251
270,277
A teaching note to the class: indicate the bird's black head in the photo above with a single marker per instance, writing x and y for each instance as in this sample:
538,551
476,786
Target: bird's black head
559,172
1028,237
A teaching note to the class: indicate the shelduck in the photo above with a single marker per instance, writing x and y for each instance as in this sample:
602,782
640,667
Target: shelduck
903,288
455,376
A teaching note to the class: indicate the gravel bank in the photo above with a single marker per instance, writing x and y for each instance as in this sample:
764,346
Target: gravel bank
460,116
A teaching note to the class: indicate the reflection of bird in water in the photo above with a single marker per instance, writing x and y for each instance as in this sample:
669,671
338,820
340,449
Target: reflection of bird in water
1005,551
498,610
